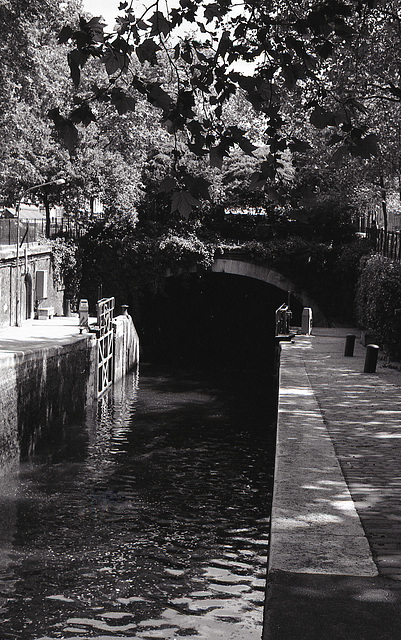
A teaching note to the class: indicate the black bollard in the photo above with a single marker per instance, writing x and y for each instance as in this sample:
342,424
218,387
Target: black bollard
67,308
349,345
372,351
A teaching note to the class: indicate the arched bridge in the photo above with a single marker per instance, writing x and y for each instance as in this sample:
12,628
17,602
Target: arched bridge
235,263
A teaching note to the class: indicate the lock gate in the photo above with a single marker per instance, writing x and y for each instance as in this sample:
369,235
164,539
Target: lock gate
105,339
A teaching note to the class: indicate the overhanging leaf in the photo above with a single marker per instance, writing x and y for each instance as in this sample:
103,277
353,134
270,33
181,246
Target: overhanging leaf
147,51
65,34
340,154
257,181
216,157
159,24
298,146
246,145
76,60
212,10
114,61
96,28
325,50
159,98
122,101
197,186
366,147
183,202
321,118
167,184
82,114
65,128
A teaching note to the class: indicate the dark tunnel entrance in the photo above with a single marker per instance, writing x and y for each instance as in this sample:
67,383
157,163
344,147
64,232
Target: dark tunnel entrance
214,320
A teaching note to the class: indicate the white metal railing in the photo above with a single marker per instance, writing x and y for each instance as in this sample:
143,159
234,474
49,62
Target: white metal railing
105,338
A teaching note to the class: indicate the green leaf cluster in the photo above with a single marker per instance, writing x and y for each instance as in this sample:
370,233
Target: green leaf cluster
379,302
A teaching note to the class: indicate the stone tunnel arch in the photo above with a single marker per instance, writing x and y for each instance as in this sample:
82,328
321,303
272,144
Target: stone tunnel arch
238,267
248,269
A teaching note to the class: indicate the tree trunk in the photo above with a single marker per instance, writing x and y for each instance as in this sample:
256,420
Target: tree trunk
384,202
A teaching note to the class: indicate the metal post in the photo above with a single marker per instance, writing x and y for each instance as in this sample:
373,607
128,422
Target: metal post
349,345
372,352
17,271
67,307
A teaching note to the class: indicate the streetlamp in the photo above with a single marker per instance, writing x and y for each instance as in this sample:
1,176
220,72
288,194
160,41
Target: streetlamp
58,181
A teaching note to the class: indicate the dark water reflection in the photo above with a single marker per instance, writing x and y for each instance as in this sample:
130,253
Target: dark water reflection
153,524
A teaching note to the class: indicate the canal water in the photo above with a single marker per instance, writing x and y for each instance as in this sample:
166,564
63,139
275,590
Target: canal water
150,520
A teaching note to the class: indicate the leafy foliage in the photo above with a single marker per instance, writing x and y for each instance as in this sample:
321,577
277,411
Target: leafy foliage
379,302
327,58
66,260
105,164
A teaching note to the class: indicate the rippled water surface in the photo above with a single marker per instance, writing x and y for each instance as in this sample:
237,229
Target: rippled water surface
149,521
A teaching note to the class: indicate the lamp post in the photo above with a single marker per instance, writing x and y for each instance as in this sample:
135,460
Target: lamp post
58,181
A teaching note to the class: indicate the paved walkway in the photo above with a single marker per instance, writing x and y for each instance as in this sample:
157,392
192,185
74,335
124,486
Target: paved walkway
363,416
37,334
335,562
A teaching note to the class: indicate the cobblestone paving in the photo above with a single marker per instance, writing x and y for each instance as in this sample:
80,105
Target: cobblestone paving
363,416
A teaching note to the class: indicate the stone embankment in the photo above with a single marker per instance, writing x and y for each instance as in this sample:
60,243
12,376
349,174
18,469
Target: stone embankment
335,557
48,375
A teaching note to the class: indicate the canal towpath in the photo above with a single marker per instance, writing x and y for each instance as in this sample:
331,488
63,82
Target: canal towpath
335,555
39,334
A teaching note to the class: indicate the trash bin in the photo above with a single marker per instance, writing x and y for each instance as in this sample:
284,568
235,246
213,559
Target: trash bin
306,327
83,314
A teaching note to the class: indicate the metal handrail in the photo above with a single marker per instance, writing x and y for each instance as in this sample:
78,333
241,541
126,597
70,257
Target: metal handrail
283,318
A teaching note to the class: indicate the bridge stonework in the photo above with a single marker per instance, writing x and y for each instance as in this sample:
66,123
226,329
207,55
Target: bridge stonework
258,272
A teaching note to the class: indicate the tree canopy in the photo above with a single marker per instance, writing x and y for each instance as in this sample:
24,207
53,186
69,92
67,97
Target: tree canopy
34,73
330,65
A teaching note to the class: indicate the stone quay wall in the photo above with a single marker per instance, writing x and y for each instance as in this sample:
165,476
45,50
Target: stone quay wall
44,389
40,390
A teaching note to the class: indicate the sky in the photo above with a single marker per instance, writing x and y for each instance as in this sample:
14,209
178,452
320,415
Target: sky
108,9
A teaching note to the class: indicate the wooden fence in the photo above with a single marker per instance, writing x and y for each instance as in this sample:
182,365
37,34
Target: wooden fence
388,243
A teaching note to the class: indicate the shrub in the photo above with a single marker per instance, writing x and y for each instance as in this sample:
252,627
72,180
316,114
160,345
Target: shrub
66,267
343,278
184,250
378,303
305,262
328,274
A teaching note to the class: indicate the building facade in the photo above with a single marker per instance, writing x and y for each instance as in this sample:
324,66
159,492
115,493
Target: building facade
29,290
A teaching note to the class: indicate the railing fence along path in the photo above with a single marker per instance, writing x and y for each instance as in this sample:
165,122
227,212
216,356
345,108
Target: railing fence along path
35,230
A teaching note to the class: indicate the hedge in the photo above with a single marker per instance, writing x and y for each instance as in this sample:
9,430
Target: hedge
378,302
